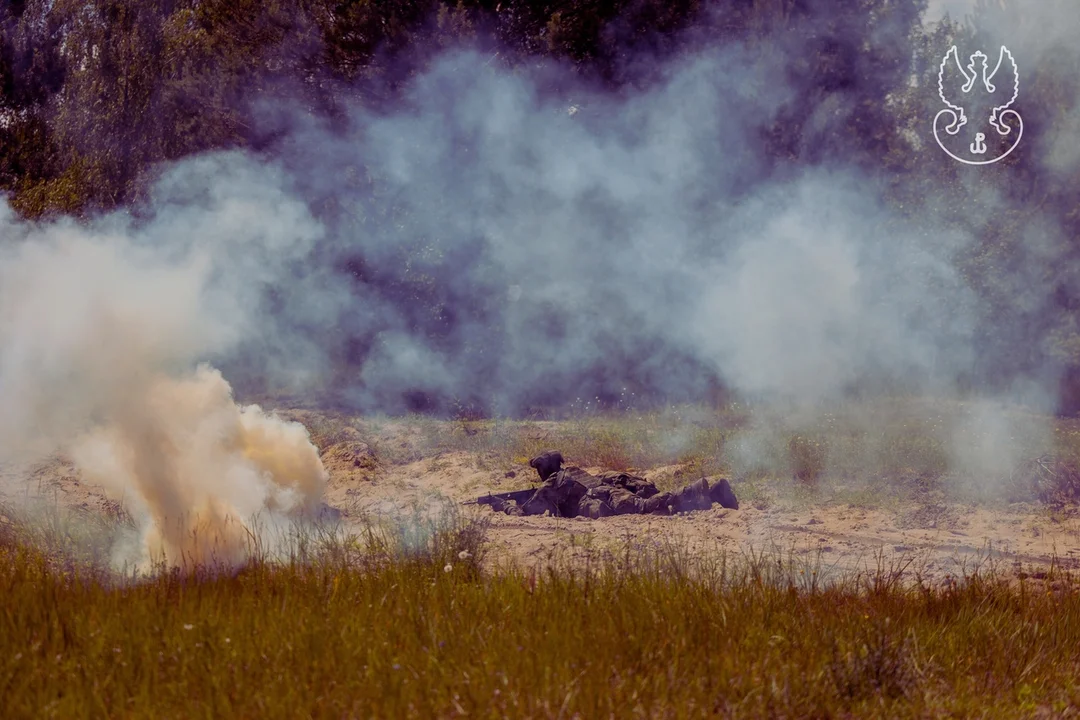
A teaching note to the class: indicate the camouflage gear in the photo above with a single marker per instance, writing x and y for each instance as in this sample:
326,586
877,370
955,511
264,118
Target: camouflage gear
547,464
572,492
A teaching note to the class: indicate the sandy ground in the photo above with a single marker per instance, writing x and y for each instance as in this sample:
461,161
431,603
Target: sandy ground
934,540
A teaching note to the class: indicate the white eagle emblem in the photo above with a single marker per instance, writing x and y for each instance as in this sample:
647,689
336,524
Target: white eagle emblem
961,90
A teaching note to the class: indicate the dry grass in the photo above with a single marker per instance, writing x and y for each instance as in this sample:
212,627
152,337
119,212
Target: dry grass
403,623
402,620
877,453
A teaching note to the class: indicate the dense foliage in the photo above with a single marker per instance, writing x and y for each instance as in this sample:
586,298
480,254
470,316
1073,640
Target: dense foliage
94,94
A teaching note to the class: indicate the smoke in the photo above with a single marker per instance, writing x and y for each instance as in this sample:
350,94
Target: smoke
520,249
102,331
516,245
1043,36
955,9
200,470
503,238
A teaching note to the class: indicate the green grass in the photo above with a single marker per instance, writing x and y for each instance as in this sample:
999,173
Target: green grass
397,623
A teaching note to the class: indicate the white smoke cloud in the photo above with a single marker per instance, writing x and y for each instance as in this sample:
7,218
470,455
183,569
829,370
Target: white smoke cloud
102,329
641,236
646,240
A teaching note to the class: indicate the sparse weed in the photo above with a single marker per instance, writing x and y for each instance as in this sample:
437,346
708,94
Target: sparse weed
876,663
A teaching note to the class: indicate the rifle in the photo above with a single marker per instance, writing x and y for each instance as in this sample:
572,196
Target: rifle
518,496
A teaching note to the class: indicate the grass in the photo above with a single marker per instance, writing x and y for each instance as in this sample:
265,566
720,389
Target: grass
417,618
387,626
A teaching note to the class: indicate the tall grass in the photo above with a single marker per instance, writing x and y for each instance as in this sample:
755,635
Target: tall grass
420,617
388,625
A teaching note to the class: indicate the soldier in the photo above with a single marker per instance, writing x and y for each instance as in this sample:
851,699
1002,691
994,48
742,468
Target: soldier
571,492
547,463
